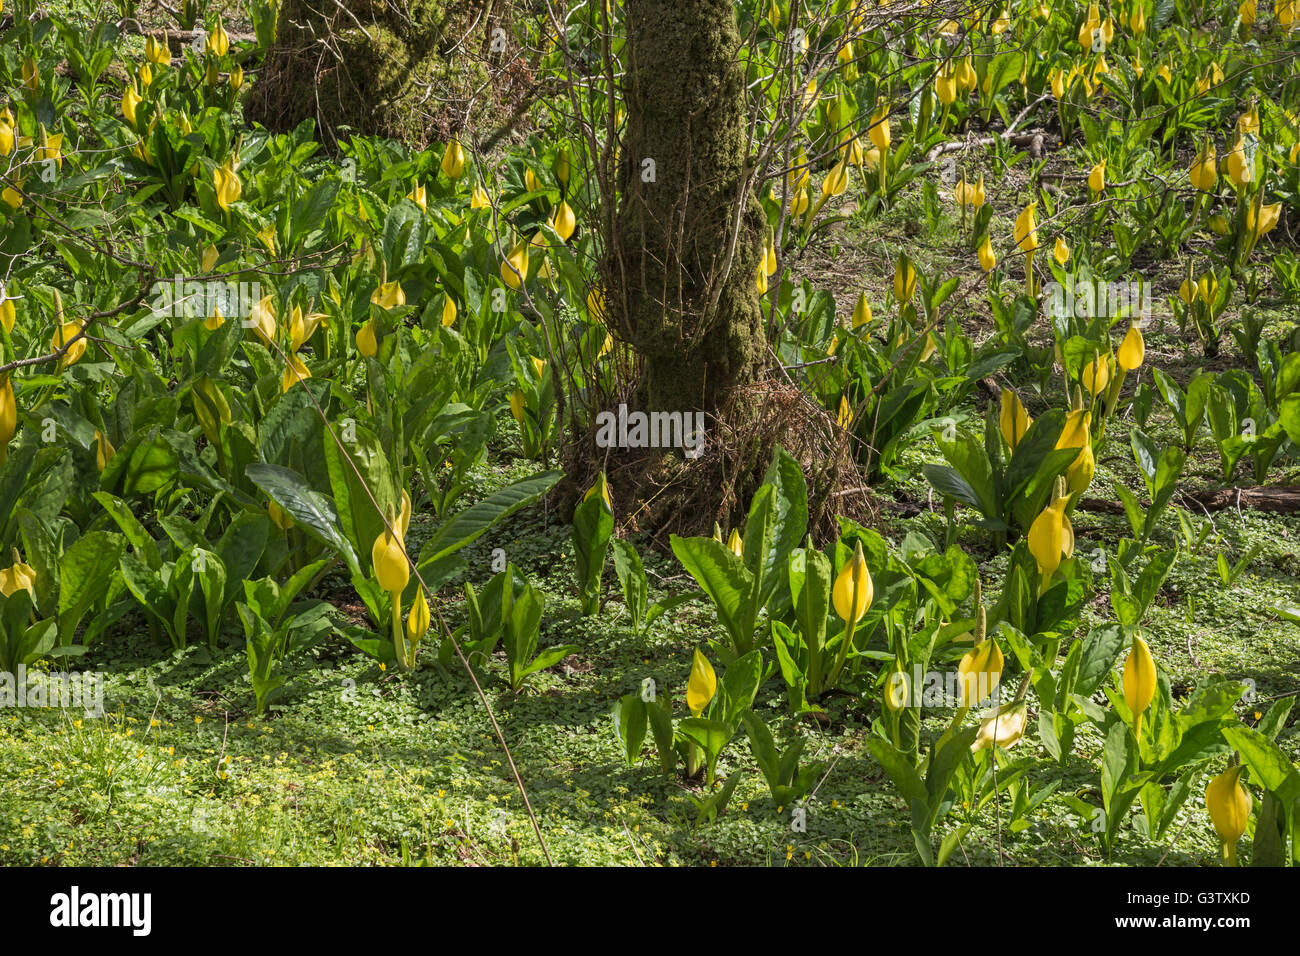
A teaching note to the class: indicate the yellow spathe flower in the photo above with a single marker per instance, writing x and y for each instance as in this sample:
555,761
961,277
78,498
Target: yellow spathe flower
879,132
104,450
702,684
215,321
853,589
156,51
1004,728
1138,22
302,327
219,40
229,188
514,269
419,196
279,517
978,673
293,373
1061,252
769,255
479,199
904,280
600,489
453,160
69,332
1229,805
12,197
448,312
861,311
18,577
7,137
836,181
31,77
1187,291
734,543
845,416
130,102
1204,171
1132,350
8,312
761,280
987,258
1267,220
1139,681
1248,12
563,221
1026,233
1047,541
1079,475
261,318
367,342
8,416
1097,177
1013,419
1096,375
945,86
417,622
517,406
389,560
389,295
1240,169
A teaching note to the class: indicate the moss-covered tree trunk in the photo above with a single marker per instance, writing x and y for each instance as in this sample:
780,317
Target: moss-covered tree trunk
688,246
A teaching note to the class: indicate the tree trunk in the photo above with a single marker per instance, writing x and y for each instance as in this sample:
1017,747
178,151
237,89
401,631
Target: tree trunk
689,235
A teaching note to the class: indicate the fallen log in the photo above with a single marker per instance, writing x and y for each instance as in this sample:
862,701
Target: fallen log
1283,499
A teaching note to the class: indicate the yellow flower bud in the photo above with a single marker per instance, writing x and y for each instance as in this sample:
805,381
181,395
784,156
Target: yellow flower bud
978,673
1013,420
853,589
1229,805
389,560
453,160
701,686
1139,681
1132,350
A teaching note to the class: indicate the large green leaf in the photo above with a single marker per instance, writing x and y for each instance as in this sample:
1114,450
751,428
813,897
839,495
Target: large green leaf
85,572
469,524
309,509
724,579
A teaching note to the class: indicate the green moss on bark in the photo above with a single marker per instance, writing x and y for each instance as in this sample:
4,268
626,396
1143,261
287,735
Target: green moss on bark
680,236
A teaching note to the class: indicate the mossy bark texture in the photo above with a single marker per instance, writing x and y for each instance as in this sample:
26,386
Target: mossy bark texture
396,68
686,260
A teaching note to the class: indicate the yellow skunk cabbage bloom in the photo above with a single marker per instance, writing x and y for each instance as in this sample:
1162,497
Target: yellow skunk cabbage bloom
596,304
1228,804
419,196
563,221
966,75
8,416
302,327
7,136
1002,22
417,622
976,195
218,39
600,489
261,318
1079,475
1248,11
945,86
852,151
1139,681
1219,224
1187,291
453,160
1004,728
156,51
836,181
1057,81
130,101
1096,375
1138,22
389,560
904,280
853,588
146,76
228,186
208,257
389,295
769,255
215,321
1132,350
979,672
1097,177
987,258
514,269
104,450
18,577
734,543
761,280
1061,252
367,343
879,132
801,202
1240,170
517,406
403,523
1268,218
479,199
530,180
8,312
845,417
1047,541
861,311
1204,171
448,311
278,516
66,333
293,373
1026,233
1013,420
701,686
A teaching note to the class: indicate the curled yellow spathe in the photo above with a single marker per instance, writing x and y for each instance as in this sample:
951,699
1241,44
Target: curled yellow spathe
702,684
1013,420
1027,228
979,672
853,589
1132,350
1139,681
389,560
1229,805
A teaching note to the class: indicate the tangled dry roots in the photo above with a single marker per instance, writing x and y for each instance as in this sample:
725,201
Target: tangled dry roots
662,493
